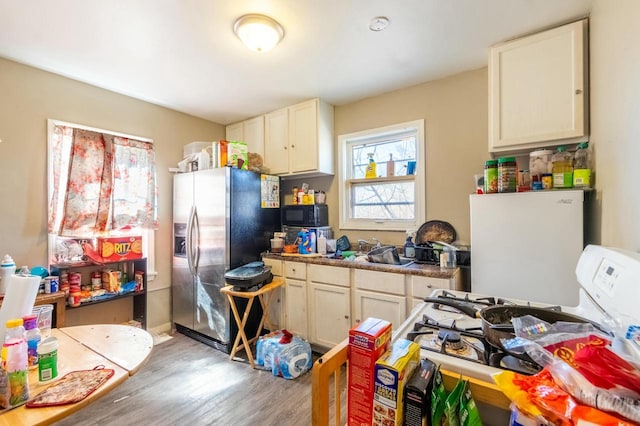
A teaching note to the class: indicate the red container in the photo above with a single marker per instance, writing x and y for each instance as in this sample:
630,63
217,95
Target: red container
368,340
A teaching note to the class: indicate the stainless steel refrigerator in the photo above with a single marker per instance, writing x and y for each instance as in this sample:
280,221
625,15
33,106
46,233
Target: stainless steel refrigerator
219,224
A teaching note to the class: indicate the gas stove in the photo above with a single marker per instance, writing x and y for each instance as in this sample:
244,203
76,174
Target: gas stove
455,340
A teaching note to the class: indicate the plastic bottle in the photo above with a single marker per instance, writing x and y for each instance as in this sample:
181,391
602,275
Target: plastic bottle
371,171
204,160
582,166
409,247
391,166
7,268
322,243
33,336
562,168
15,363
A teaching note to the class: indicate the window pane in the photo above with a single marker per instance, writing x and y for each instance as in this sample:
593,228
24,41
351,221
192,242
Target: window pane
383,201
402,149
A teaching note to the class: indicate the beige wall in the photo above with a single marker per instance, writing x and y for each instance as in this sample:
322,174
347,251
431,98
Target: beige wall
28,97
615,119
455,113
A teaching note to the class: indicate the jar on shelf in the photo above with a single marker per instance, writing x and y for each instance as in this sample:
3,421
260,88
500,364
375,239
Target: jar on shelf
507,174
490,176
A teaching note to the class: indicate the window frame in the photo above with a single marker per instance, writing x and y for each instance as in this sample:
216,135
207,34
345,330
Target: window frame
347,182
148,235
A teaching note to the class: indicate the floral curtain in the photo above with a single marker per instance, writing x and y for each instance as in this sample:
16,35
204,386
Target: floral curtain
101,183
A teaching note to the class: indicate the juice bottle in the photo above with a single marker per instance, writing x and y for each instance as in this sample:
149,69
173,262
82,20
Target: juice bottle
15,365
562,168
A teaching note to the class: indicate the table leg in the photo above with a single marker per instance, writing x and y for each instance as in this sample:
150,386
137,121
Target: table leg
241,334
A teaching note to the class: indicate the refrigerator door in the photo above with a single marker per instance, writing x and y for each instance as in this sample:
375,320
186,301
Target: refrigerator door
526,245
182,279
212,313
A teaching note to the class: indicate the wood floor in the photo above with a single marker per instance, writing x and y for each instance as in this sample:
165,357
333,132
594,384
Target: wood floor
186,382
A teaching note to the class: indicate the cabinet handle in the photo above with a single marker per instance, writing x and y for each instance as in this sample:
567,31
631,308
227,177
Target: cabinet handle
429,286
346,317
578,91
285,147
293,146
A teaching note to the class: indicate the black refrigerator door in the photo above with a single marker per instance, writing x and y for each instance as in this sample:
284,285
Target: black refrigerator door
251,226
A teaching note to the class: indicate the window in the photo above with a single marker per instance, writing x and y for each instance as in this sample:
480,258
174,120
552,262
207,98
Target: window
390,201
100,183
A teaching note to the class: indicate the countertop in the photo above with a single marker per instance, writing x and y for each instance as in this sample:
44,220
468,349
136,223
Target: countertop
420,269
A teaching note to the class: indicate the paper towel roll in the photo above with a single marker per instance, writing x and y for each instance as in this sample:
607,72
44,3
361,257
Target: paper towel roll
21,291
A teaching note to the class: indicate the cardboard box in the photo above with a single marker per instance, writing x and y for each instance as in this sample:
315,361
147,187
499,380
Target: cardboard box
238,155
114,249
417,396
392,371
368,340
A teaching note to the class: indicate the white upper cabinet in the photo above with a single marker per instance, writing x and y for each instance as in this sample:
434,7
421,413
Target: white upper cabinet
250,131
538,89
299,139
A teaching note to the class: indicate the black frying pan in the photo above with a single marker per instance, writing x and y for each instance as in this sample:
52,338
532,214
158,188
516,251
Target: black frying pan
496,319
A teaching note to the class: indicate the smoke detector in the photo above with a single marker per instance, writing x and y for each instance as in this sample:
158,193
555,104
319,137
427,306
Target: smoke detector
379,23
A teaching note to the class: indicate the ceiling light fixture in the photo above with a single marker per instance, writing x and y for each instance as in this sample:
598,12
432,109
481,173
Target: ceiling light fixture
258,32
379,23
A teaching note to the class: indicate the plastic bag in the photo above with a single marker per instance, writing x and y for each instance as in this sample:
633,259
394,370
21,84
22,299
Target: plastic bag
283,354
540,396
438,399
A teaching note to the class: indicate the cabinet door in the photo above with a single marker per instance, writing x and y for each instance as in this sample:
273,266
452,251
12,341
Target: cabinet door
377,305
296,307
234,132
537,89
276,310
303,136
329,314
253,132
276,141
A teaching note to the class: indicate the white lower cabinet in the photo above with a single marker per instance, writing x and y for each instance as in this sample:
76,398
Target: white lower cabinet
329,304
276,311
329,314
388,307
380,295
296,320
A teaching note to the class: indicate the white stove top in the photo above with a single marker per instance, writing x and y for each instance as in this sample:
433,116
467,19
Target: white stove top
610,280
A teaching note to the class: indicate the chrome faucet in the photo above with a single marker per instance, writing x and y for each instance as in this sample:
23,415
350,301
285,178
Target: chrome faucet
377,241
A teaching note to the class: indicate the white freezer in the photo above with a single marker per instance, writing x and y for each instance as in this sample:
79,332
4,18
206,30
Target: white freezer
526,245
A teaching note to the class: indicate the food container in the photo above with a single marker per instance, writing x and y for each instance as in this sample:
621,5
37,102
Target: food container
276,245
539,164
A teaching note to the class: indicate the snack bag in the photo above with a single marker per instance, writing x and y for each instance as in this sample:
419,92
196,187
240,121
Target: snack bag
438,399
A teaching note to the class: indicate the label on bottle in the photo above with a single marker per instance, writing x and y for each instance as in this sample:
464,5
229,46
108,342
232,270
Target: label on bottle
563,180
582,178
48,366
409,251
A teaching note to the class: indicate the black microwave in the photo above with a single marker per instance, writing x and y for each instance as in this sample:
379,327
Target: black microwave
305,215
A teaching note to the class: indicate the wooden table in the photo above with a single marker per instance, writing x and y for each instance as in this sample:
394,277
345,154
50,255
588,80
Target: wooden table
121,348
261,293
58,299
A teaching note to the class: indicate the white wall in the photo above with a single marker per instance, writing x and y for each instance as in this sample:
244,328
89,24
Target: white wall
615,119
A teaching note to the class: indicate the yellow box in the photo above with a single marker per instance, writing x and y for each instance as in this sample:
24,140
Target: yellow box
392,371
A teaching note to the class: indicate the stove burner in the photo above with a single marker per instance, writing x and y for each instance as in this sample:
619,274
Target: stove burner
450,338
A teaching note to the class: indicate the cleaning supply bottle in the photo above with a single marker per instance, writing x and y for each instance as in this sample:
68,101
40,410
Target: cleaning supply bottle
562,168
391,166
322,242
371,171
409,247
582,166
7,268
15,363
